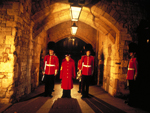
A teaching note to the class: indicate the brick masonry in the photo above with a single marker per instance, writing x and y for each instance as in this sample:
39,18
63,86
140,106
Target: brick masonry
26,28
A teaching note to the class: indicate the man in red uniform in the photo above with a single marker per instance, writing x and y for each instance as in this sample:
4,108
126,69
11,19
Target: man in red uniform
87,69
67,73
51,65
132,72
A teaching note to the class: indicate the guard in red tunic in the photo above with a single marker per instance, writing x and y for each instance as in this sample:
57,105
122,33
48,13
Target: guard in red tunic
132,72
67,73
87,69
51,65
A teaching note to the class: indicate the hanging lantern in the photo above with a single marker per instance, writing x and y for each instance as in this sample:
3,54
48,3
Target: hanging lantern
74,29
75,12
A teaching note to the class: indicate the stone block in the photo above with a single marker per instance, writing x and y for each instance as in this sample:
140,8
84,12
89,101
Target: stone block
3,11
6,66
12,12
21,8
5,29
2,94
10,24
3,24
5,83
110,90
16,5
9,40
5,100
3,38
8,5
9,94
112,12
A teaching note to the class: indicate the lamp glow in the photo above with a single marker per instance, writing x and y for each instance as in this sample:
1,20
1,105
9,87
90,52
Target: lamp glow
74,29
75,13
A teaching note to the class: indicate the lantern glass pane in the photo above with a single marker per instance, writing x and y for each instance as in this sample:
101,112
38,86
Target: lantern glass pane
74,30
75,13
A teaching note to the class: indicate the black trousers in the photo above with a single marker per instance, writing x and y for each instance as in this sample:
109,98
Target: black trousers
132,91
79,86
85,85
66,93
54,82
49,79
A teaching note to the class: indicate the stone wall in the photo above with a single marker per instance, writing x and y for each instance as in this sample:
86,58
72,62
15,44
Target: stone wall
108,56
113,61
15,50
112,25
39,51
113,65
19,53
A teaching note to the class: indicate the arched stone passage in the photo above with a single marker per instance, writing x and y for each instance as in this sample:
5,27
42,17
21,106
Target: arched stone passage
27,23
63,30
98,23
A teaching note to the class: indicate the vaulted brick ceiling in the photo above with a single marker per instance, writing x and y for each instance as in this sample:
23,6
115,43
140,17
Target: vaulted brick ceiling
53,17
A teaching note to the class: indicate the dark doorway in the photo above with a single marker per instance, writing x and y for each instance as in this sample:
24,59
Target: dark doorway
101,69
41,65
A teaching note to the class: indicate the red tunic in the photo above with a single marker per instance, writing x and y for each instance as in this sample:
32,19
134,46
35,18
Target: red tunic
67,72
79,64
52,64
88,65
132,69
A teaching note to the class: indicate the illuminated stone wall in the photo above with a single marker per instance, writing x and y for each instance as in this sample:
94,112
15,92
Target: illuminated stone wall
14,50
108,26
39,49
113,62
19,53
108,56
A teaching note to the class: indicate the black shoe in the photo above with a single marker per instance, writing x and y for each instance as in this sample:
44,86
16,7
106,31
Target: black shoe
83,97
87,96
45,95
63,97
126,101
50,96
130,104
69,97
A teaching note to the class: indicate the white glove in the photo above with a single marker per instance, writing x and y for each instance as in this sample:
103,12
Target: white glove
55,72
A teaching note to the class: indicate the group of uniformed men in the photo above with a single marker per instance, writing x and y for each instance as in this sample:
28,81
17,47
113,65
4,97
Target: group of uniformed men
67,71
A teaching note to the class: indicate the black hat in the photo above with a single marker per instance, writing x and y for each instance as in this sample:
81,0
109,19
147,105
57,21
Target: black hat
67,54
132,47
51,46
88,47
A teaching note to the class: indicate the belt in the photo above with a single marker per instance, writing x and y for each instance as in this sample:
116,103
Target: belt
87,65
50,65
131,69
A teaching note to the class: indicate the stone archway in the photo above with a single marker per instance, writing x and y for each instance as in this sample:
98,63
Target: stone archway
25,23
104,18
